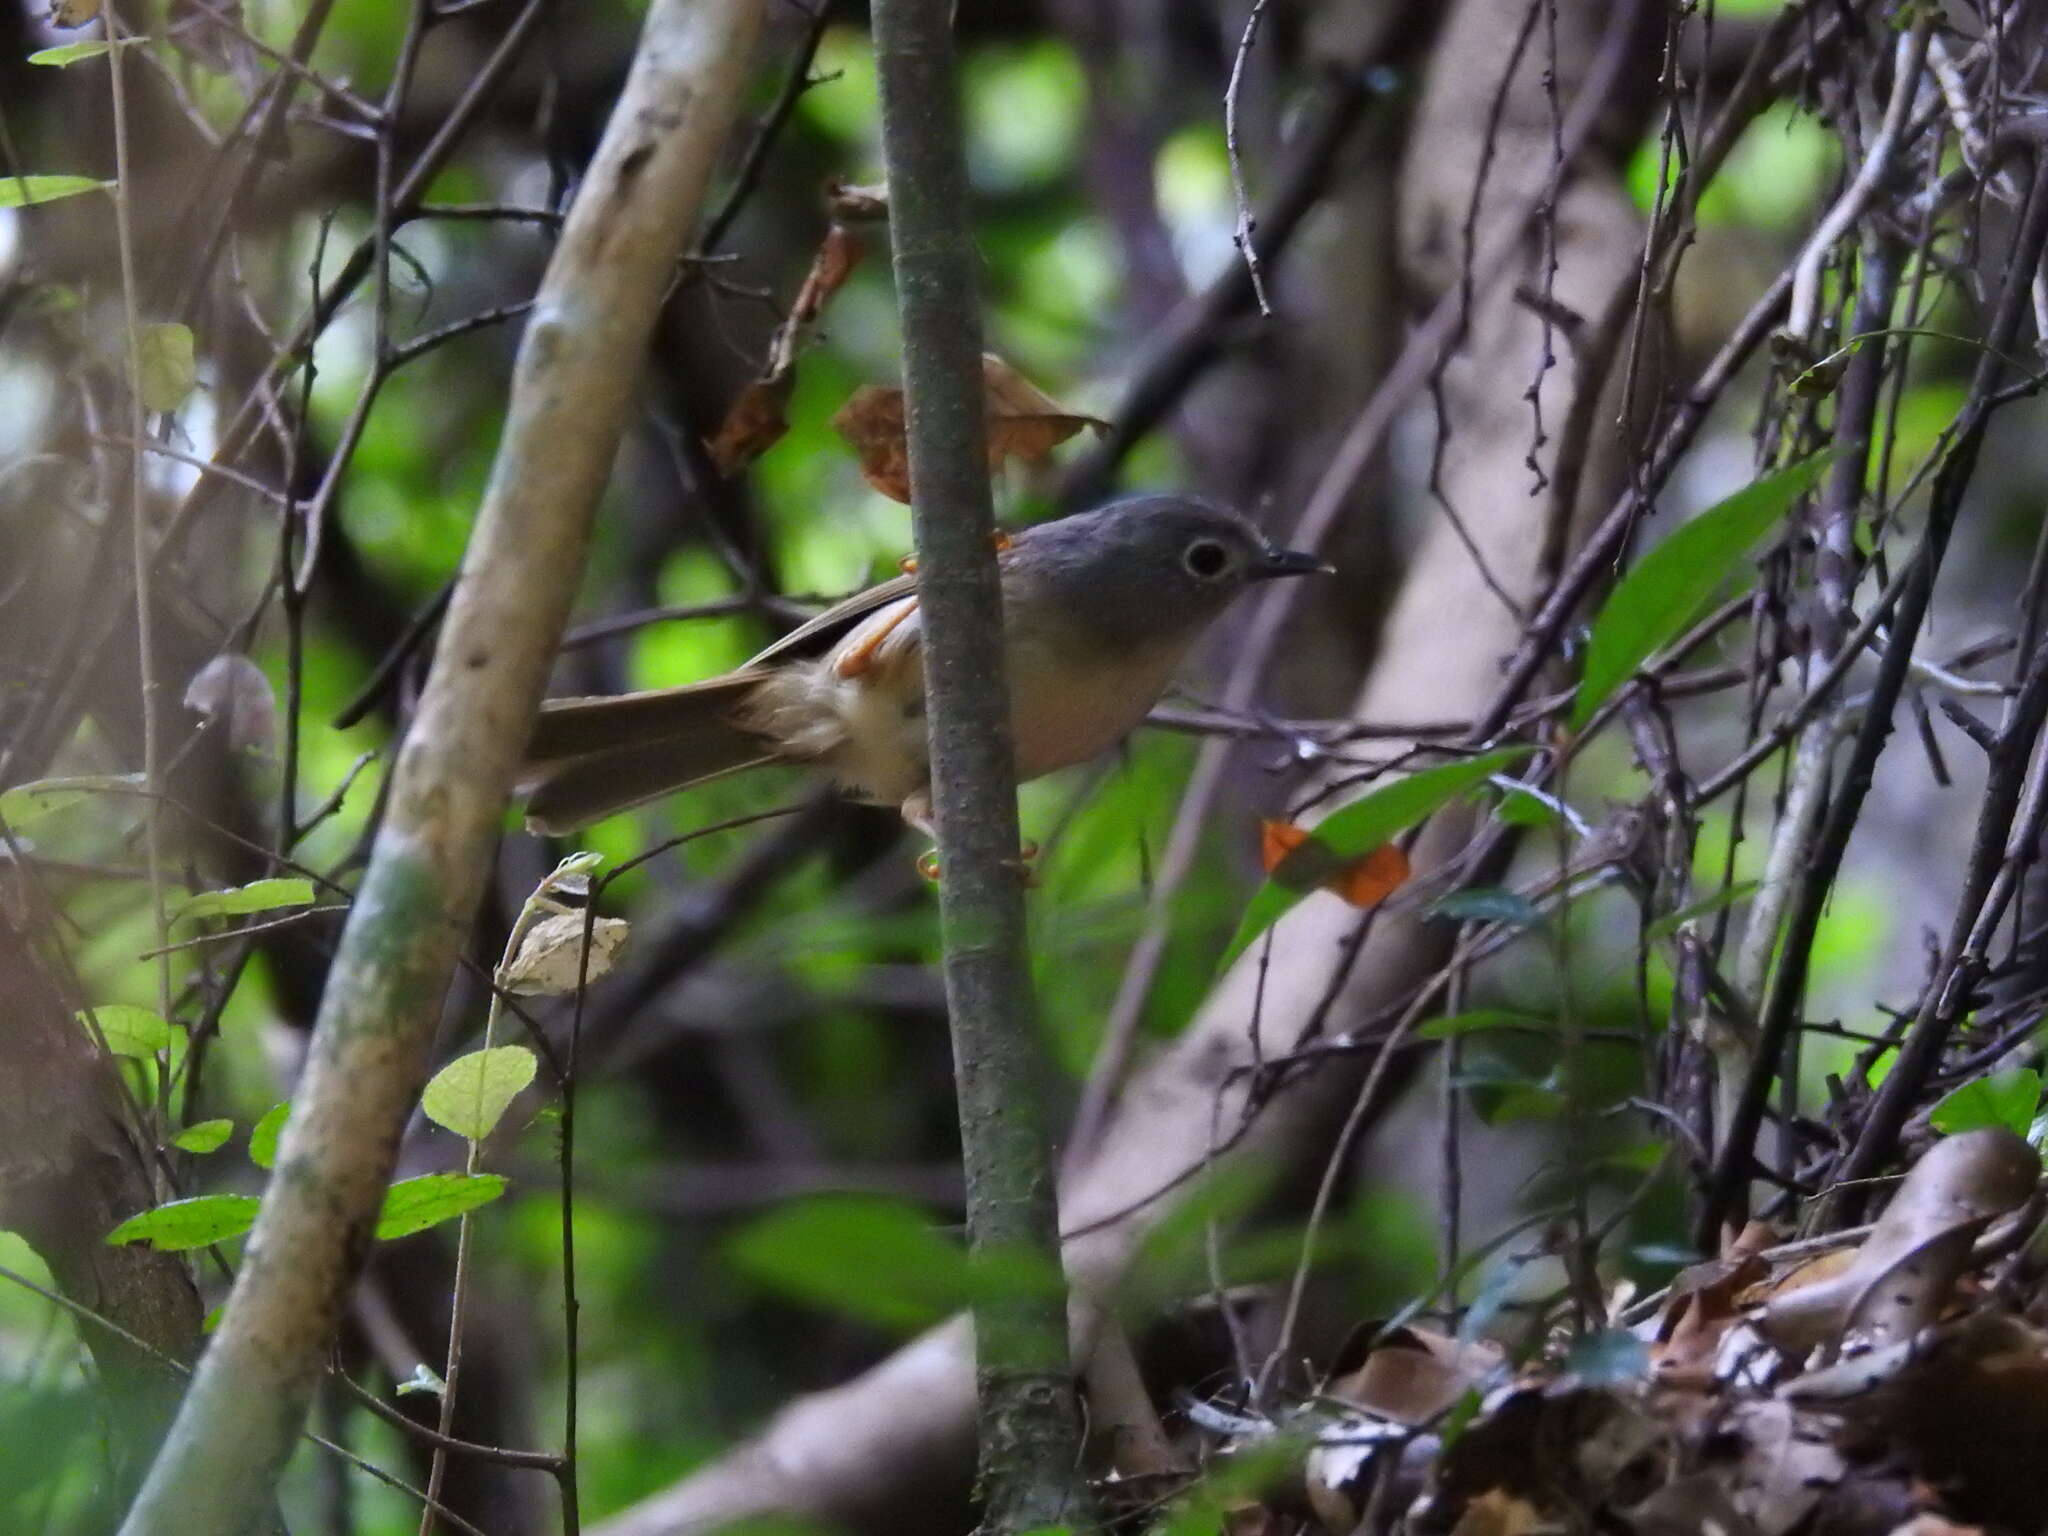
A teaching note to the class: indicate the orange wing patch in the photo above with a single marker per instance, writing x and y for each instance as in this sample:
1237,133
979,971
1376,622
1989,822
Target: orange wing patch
859,657
1295,858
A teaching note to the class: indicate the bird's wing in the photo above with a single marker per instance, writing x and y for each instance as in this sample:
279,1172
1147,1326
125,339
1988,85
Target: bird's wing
816,636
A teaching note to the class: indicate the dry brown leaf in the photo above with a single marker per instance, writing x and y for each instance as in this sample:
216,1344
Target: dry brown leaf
759,416
1702,1307
551,960
1023,423
1416,1375
756,421
1899,1279
1498,1513
872,420
73,13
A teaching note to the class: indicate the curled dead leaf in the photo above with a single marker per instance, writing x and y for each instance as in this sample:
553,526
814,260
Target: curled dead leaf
550,958
1023,423
1899,1279
1415,1375
755,422
758,417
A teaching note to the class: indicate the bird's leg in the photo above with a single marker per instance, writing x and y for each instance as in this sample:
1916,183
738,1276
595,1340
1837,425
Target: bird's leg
917,810
1002,541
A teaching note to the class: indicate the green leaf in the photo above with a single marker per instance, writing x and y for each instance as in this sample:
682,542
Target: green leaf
1519,808
1488,904
194,1223
23,191
880,1261
263,1135
470,1094
1518,1105
27,802
1665,926
130,1031
256,896
204,1136
1654,602
211,1321
72,53
1366,823
168,364
413,1205
1479,1020
2006,1099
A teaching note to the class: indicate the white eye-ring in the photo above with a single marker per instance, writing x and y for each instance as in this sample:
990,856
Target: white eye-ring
1206,558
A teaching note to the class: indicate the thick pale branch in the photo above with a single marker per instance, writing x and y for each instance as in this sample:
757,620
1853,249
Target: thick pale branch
572,392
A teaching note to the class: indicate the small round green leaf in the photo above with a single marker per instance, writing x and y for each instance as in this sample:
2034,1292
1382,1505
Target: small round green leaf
195,1223
470,1095
2008,1099
204,1136
263,1135
129,1030
413,1205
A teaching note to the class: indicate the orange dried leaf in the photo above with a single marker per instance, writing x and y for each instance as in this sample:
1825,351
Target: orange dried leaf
759,417
1024,422
1277,839
872,421
1295,858
754,424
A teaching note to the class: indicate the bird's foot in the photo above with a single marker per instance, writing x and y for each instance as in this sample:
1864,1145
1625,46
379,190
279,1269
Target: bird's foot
1027,871
1002,541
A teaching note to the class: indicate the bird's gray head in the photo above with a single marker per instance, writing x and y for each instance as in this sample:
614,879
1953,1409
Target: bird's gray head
1148,567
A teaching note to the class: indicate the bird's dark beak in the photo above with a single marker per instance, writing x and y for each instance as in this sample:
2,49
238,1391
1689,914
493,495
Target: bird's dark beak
1290,562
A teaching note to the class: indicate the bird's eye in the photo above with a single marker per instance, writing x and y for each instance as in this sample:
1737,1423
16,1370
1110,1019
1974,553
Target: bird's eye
1206,558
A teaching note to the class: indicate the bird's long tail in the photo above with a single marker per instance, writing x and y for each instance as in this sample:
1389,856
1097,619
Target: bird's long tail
591,758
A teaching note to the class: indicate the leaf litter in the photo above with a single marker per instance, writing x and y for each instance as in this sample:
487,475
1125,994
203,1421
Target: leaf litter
1884,1385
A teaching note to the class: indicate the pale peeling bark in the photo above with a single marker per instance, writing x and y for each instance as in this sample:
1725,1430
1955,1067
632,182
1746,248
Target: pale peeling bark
578,366
862,1453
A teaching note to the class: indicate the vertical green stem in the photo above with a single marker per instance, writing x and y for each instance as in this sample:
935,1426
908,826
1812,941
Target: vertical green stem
1029,1422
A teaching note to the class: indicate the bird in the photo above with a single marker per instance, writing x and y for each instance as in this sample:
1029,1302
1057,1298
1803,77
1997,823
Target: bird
1100,608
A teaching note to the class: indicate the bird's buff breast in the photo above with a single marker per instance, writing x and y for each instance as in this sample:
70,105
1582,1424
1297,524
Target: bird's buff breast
869,731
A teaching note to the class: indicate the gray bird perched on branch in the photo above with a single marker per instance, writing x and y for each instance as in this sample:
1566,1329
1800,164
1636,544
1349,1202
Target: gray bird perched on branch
1099,610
